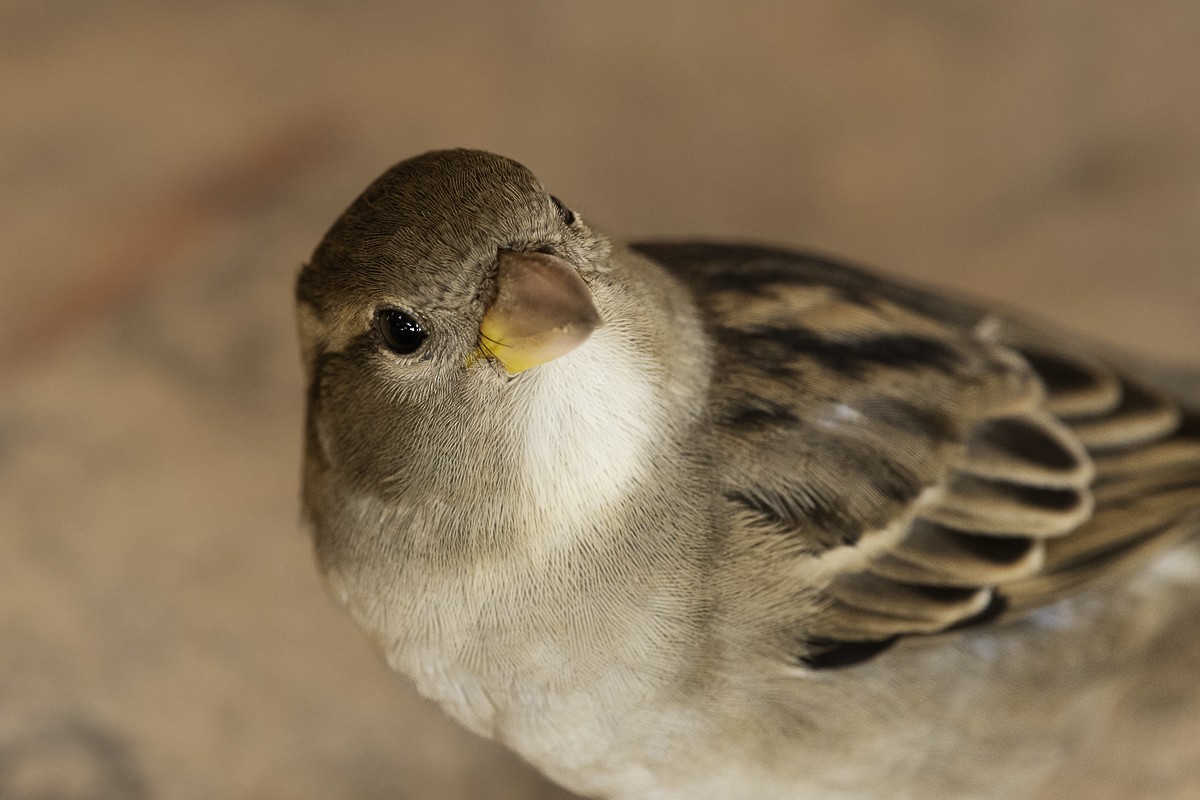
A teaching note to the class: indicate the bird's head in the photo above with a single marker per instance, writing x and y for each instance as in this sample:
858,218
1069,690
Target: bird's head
458,317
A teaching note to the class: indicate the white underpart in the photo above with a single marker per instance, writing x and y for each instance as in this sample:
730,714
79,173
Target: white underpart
589,425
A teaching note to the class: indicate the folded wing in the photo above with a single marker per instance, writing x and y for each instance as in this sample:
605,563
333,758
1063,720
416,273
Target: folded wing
923,464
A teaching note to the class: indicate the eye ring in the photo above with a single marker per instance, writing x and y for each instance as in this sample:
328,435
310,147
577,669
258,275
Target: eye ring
400,331
565,214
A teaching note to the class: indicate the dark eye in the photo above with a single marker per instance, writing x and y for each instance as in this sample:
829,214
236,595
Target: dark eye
564,213
400,332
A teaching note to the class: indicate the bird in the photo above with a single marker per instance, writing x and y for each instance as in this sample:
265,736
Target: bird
692,519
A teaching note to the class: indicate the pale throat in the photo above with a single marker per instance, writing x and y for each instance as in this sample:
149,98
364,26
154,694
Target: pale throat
589,429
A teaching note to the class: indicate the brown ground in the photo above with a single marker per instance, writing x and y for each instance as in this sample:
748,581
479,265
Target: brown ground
166,166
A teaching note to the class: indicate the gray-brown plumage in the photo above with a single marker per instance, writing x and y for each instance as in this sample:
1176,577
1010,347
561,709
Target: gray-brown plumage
708,521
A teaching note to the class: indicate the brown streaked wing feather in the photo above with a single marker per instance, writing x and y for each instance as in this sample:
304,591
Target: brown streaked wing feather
928,464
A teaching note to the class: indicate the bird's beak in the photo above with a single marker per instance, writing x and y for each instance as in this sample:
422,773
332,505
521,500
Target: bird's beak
542,310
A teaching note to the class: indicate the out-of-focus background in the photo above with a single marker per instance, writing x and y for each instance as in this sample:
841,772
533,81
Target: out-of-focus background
165,167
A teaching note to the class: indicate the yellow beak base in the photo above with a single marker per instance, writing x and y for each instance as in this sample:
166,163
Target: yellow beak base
542,310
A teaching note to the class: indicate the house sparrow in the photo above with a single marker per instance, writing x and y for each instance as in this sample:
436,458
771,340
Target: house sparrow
709,521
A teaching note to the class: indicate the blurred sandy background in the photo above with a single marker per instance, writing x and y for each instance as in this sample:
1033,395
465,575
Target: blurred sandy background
166,166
